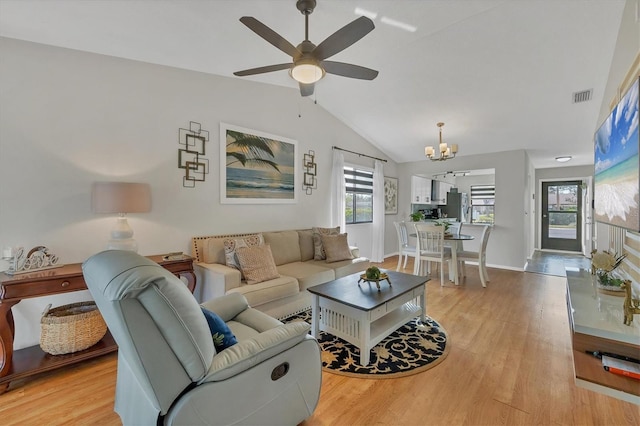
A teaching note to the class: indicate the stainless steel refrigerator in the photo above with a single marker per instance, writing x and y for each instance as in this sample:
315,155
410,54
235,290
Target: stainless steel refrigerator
457,205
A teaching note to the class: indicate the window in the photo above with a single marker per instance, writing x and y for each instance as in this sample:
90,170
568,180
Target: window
483,201
359,195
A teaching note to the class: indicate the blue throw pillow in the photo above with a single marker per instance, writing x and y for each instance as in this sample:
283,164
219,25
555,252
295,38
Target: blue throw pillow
220,332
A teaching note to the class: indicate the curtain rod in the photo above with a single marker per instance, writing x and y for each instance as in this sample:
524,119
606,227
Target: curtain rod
357,153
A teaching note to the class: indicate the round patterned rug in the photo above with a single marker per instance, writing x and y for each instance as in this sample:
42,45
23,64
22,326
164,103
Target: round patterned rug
413,348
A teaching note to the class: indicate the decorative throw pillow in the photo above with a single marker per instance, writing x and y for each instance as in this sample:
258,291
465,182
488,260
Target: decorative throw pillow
318,250
336,247
221,334
256,263
231,244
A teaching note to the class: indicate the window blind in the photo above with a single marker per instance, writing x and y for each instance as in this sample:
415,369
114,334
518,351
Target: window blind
483,194
358,181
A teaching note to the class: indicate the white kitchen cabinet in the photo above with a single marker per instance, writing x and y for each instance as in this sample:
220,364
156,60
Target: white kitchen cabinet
420,190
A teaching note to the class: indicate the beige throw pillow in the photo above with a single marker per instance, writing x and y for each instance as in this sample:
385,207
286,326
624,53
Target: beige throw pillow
318,250
232,244
336,247
256,263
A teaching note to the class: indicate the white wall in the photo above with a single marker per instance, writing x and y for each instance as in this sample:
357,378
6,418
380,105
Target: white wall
70,118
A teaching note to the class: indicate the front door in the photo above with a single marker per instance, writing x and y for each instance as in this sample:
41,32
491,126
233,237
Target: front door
562,215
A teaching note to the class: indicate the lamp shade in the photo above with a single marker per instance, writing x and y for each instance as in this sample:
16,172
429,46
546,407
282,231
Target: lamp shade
120,197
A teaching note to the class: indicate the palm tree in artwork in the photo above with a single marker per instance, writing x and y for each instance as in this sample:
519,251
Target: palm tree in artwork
250,149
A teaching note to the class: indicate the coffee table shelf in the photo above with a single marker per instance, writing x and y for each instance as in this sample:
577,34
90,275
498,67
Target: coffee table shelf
364,316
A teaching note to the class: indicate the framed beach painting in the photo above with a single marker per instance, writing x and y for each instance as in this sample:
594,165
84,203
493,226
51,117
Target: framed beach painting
256,167
617,165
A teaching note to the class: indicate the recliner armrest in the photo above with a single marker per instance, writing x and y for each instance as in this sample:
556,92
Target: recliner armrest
250,352
228,306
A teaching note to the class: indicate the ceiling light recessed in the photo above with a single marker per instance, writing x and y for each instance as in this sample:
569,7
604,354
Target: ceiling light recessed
563,159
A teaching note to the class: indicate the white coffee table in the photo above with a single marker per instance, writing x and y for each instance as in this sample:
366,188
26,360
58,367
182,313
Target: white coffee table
362,315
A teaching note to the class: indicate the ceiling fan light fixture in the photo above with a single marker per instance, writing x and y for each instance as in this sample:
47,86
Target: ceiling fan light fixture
307,72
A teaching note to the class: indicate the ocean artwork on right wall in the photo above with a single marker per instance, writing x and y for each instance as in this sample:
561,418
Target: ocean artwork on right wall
617,165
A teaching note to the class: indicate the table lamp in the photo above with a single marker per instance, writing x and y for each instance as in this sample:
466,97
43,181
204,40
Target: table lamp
121,198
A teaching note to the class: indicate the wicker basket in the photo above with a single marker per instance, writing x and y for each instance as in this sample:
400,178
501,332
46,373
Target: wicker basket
71,328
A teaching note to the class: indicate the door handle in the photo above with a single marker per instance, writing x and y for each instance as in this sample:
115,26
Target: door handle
544,215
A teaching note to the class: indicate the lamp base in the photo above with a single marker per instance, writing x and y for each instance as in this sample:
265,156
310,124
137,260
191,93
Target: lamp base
125,244
122,236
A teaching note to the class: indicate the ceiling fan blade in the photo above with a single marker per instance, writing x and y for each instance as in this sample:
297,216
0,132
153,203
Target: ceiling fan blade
349,70
343,38
306,89
269,35
262,70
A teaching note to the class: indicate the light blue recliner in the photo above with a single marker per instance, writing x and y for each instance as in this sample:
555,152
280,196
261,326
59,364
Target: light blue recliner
168,369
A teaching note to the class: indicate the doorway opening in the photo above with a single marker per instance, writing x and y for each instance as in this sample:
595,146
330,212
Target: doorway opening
561,222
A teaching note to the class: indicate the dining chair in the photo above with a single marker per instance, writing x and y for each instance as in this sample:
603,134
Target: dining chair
404,249
430,248
479,256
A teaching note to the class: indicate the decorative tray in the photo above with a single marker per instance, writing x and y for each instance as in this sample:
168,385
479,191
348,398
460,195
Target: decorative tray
383,276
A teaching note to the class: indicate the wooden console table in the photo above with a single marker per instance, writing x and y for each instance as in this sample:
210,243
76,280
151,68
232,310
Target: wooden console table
597,325
32,360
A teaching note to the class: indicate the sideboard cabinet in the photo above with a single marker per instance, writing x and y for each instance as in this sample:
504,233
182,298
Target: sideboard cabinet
32,360
596,322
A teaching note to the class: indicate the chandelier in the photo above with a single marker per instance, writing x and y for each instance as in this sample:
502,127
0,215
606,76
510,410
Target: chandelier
446,153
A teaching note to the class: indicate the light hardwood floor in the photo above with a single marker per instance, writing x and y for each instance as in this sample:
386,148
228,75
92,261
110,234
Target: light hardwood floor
509,364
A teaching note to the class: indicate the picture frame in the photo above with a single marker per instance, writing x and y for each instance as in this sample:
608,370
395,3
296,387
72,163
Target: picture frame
617,164
390,195
257,167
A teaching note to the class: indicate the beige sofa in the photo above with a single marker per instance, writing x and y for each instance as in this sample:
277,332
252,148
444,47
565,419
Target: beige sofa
293,254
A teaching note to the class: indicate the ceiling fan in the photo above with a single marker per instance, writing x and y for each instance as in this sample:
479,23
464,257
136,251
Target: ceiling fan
309,64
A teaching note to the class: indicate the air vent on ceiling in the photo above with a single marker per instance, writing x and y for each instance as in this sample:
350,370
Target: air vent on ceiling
582,96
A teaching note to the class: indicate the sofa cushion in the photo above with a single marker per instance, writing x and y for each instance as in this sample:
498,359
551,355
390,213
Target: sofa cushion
231,244
220,333
336,247
256,263
343,268
318,250
305,238
268,291
284,246
308,273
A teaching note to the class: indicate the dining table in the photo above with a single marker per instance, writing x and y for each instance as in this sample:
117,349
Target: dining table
454,241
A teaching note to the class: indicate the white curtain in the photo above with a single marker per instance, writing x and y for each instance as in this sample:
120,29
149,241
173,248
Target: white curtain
377,240
338,192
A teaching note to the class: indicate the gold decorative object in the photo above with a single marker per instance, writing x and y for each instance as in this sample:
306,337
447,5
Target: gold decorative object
631,306
383,276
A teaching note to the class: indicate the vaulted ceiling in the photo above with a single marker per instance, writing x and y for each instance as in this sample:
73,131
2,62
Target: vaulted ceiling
500,73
